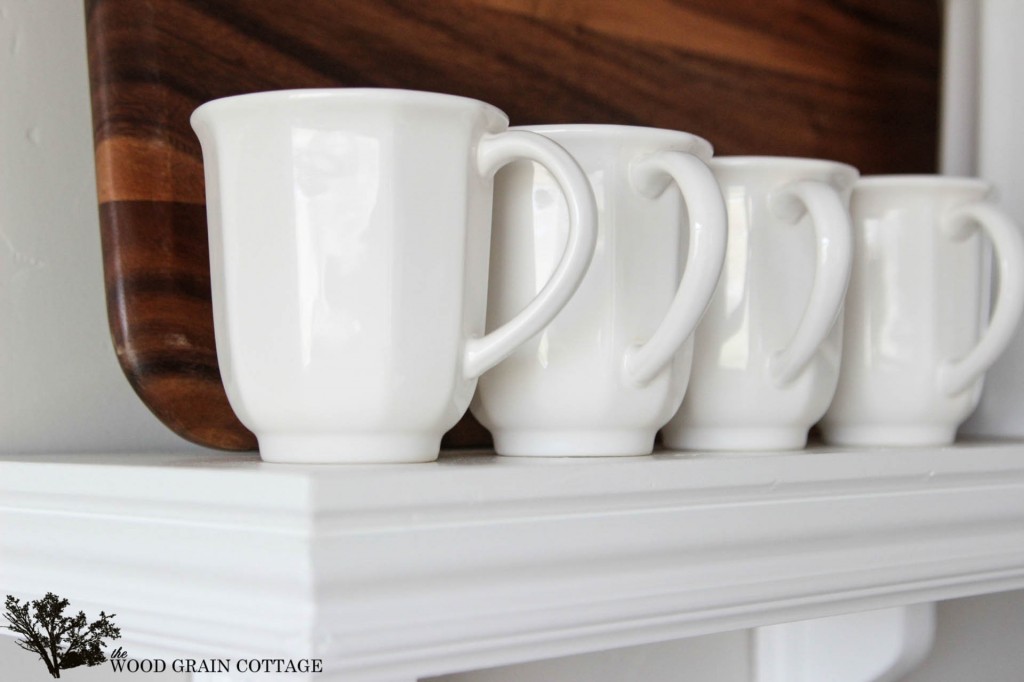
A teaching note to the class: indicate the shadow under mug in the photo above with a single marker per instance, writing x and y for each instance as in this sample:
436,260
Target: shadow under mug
349,236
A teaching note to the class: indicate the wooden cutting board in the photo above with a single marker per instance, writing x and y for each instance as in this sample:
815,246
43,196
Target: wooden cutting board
855,81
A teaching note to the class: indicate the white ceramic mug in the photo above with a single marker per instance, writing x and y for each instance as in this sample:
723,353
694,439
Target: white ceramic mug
767,351
349,242
916,345
605,375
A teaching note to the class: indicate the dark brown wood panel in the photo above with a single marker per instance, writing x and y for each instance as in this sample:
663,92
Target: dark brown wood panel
851,80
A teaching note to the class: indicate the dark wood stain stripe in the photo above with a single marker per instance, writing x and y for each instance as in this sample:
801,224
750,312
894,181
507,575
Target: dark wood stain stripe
156,263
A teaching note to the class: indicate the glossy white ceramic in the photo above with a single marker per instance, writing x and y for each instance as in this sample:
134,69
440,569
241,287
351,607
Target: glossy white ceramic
766,353
916,344
605,375
349,242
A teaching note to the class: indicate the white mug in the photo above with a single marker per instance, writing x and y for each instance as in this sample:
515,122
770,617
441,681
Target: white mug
606,374
767,351
349,240
916,345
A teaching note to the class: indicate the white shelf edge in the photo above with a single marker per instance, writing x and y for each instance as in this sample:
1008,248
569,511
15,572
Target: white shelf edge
406,571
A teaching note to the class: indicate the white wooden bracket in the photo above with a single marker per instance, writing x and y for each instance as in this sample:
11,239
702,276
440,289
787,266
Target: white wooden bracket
872,646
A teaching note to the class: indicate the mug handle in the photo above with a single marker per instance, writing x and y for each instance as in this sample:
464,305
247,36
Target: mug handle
494,151
833,262
650,177
1008,248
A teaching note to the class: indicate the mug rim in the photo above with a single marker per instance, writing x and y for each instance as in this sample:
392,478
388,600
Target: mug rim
757,161
702,145
923,181
386,95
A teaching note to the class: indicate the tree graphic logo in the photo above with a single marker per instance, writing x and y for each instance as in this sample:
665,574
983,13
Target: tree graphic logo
61,641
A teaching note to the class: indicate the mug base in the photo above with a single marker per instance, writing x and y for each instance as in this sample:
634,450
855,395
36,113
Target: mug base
889,436
573,443
349,449
737,439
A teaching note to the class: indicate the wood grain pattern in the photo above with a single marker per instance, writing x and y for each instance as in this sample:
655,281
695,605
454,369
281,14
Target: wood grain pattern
851,80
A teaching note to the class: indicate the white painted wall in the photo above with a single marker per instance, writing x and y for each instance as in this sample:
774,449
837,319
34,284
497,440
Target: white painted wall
60,386
980,639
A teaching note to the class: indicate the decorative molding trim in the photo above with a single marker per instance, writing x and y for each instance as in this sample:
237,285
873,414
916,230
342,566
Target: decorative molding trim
412,570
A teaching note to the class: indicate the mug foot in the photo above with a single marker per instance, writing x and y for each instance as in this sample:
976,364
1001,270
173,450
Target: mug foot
586,443
894,436
736,439
349,449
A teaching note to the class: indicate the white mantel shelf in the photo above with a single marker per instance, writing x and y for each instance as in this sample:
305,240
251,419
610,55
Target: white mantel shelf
395,572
